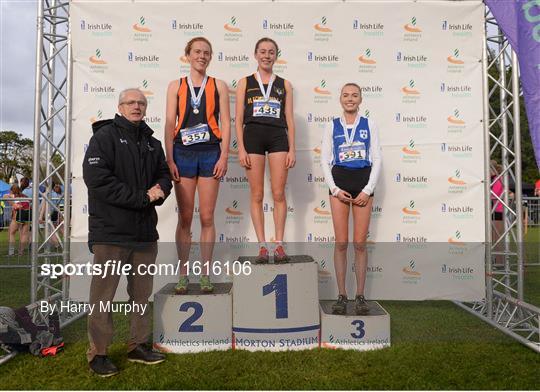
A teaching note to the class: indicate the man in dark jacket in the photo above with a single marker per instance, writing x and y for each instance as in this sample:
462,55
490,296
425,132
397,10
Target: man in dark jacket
127,176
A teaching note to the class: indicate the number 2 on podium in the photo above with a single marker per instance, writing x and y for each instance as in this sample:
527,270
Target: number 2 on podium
187,326
279,285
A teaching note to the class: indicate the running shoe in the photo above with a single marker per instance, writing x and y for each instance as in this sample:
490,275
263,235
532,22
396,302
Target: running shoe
182,285
280,256
206,285
263,257
340,307
361,306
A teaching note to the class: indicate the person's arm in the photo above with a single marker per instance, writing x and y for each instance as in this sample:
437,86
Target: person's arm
220,168
289,117
376,159
327,159
101,180
170,126
243,156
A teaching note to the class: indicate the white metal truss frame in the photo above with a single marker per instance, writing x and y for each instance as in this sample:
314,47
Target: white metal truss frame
504,305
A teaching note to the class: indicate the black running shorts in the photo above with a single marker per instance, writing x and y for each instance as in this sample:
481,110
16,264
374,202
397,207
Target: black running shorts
351,180
259,139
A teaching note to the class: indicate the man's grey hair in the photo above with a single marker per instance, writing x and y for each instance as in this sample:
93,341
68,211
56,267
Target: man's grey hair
128,90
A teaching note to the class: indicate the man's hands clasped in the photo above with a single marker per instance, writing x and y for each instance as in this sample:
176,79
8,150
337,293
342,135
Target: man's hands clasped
155,193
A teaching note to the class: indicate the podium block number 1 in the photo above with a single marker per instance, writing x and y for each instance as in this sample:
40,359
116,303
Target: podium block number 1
279,286
187,326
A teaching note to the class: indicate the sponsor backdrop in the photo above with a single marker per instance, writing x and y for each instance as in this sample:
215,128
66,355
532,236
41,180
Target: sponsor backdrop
419,65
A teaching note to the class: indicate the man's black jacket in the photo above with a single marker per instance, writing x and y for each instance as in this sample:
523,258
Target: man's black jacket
121,163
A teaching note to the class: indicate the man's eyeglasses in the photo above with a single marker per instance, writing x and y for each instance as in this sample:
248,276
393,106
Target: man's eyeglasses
133,103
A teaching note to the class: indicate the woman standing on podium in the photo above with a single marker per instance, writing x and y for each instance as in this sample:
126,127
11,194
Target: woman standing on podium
265,123
197,122
351,162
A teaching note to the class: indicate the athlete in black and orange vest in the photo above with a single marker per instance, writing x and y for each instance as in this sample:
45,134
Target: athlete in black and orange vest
197,134
265,123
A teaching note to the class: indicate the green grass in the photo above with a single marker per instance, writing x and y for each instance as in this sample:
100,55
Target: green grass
435,345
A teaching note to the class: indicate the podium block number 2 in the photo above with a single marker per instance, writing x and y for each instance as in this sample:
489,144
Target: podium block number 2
187,326
279,286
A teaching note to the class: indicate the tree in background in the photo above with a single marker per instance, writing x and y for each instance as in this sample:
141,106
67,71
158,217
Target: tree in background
16,153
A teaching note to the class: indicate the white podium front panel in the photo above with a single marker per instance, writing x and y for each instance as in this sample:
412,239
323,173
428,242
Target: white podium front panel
353,332
193,322
275,308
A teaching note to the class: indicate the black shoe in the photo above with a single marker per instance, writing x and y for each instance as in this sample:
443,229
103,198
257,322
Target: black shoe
102,366
340,307
144,354
360,305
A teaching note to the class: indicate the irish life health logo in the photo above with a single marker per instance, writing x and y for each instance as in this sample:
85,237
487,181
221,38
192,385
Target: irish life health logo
321,93
456,90
368,28
458,273
188,28
323,32
412,120
412,182
457,150
457,211
141,31
368,64
101,29
234,60
279,28
233,33
412,31
416,60
462,30
98,64
323,60
143,60
101,91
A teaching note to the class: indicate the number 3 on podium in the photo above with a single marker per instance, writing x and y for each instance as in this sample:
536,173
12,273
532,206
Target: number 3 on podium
279,286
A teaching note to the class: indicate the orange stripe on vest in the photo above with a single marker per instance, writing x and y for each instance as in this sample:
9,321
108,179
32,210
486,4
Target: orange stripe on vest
182,100
209,91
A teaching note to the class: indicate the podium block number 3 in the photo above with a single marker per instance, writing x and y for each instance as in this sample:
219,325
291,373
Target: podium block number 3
360,332
187,326
279,286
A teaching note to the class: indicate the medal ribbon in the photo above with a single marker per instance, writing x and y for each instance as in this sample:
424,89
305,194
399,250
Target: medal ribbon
196,99
266,94
349,138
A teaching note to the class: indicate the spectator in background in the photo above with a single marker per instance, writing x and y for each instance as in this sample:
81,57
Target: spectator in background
537,188
20,220
25,186
57,200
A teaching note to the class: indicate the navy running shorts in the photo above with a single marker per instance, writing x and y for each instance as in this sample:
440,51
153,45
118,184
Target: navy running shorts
196,163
